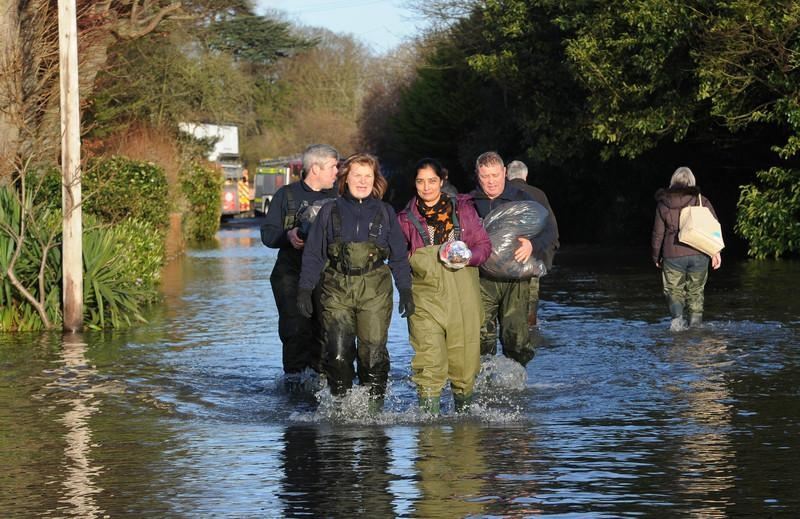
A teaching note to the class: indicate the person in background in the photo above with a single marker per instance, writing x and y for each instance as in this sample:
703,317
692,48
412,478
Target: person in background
684,270
300,335
345,255
447,187
445,328
517,174
505,301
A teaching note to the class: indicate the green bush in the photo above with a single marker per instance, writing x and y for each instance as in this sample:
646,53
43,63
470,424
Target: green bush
118,188
42,235
202,186
122,265
769,213
113,291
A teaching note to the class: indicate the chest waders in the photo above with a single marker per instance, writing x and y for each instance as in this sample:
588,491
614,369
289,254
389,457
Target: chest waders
356,305
301,337
506,305
445,328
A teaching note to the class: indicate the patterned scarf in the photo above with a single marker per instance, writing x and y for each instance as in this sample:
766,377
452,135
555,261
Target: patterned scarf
439,219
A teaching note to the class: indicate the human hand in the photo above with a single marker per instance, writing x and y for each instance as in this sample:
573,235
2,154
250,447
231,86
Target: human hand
406,306
658,263
294,239
304,304
524,251
716,261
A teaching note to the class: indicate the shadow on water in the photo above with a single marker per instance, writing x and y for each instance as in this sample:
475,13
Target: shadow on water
616,415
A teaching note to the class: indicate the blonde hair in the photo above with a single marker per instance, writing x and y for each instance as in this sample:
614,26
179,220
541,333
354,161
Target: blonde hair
364,159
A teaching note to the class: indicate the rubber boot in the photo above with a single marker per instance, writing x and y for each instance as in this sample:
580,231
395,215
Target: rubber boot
461,403
695,320
429,404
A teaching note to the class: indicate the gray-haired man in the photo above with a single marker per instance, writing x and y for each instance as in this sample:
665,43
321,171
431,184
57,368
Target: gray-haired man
517,174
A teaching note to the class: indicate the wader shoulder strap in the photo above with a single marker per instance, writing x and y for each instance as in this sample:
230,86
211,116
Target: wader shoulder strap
291,210
456,225
421,229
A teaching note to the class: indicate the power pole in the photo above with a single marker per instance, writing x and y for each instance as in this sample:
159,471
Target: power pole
72,255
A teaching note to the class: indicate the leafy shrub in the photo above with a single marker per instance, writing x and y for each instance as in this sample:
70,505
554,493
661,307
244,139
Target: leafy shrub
769,213
202,186
40,239
117,188
122,264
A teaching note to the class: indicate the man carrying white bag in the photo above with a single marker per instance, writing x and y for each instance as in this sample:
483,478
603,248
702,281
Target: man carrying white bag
686,237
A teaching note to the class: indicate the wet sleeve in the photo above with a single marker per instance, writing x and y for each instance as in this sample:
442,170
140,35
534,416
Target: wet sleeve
315,250
657,237
398,252
272,233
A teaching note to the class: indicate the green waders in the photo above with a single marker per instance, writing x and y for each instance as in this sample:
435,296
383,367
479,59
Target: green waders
505,305
445,328
356,310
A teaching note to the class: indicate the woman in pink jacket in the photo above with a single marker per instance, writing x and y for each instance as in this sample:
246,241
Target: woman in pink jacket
445,328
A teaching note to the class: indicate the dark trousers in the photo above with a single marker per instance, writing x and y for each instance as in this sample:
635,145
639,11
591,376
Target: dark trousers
301,337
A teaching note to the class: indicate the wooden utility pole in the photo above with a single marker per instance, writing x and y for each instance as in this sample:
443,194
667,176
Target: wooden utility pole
72,255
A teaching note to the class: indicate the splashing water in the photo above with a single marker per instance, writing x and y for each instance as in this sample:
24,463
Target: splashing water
499,373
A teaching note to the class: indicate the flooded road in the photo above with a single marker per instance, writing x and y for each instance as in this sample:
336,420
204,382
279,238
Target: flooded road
615,417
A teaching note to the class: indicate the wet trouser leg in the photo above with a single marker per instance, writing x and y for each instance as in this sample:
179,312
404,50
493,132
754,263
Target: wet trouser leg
533,301
339,320
372,330
357,308
684,280
300,336
508,301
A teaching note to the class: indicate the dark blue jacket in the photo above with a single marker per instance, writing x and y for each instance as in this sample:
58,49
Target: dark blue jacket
356,217
273,234
543,242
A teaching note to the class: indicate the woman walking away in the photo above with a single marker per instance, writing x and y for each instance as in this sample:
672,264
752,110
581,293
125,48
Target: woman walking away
445,328
350,240
684,270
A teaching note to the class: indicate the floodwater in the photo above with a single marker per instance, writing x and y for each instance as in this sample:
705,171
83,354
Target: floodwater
615,417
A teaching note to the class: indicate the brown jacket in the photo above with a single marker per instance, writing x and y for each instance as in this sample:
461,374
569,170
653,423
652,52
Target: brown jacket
669,202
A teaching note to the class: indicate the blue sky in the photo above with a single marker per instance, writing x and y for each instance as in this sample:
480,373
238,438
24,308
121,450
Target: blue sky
381,24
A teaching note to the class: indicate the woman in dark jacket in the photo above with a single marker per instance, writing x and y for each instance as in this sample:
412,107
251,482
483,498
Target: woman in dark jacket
347,247
684,270
445,328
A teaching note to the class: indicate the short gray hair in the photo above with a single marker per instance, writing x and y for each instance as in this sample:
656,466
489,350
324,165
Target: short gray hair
517,169
317,154
683,177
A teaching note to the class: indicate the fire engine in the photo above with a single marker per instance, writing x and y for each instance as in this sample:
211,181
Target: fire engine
271,175
236,197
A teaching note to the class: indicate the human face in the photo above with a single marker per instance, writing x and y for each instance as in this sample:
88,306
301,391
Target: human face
360,181
492,179
323,175
326,173
429,186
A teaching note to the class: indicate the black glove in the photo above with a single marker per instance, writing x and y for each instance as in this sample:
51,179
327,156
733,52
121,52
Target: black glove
406,306
304,304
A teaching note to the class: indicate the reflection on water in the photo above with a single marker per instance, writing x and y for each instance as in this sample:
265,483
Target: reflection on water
616,416
81,480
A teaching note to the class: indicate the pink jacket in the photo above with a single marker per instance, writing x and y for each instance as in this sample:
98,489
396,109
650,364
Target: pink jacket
472,231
